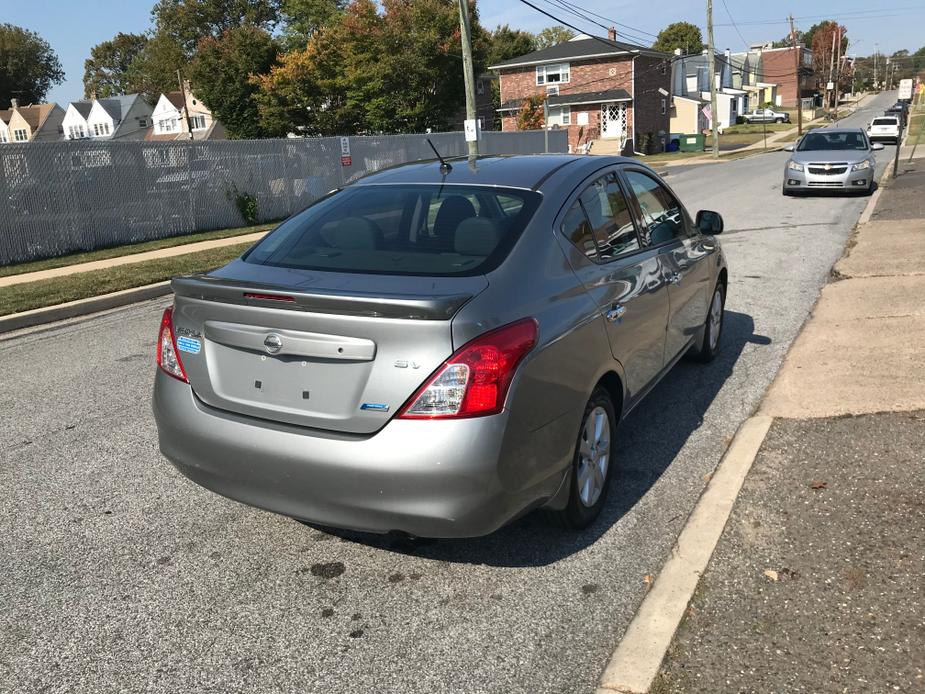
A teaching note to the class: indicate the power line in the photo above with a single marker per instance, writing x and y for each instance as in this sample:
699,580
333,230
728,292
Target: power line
729,14
615,22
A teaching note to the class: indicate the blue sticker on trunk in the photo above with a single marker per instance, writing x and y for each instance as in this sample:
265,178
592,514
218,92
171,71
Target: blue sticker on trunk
188,344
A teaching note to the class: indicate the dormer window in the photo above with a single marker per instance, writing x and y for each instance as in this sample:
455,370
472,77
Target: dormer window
552,74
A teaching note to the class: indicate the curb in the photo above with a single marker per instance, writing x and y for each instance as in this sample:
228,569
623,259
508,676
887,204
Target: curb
636,661
82,307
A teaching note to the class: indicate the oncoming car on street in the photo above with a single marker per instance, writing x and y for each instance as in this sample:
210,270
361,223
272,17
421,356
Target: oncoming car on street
439,347
831,159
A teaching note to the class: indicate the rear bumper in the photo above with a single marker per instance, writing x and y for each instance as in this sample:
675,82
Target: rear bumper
425,478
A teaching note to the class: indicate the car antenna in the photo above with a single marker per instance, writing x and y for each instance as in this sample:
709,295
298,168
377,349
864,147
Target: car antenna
445,167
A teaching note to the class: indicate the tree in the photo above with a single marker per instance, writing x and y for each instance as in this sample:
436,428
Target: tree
188,21
550,36
221,75
28,66
822,35
302,18
154,69
506,43
398,71
530,116
107,70
683,35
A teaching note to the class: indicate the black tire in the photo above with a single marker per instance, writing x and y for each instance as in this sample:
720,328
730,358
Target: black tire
578,514
784,191
707,350
778,120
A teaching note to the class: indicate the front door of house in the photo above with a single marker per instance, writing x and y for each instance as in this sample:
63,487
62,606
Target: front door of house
613,120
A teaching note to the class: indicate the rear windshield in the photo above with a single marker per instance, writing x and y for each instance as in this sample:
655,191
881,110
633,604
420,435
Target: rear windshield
816,141
402,230
885,121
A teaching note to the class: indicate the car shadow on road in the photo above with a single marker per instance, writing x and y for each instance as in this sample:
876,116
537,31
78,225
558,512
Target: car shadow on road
648,442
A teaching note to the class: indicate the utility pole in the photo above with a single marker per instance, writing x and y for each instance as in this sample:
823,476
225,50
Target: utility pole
838,72
189,122
796,73
828,92
876,52
468,73
711,69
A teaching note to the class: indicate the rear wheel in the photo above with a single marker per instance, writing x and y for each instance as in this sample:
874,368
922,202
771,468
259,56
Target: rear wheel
592,463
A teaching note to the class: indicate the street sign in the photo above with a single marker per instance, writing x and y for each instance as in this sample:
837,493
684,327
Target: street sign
345,158
905,89
473,131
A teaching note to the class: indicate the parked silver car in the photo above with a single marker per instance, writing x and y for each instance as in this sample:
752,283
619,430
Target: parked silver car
437,350
831,159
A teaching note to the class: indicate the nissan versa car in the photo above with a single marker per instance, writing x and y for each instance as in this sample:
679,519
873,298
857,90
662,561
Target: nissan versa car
439,348
831,159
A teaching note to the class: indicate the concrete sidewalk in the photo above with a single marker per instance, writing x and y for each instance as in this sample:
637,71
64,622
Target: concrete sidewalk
816,584
170,252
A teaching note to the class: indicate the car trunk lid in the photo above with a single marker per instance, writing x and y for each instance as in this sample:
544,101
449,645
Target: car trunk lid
331,351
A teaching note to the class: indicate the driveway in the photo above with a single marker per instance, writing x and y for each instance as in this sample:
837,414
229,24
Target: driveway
120,575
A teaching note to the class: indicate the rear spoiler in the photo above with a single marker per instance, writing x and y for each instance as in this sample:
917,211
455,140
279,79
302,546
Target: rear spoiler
207,288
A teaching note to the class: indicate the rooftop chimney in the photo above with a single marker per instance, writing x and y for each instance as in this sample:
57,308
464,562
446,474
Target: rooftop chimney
612,33
14,103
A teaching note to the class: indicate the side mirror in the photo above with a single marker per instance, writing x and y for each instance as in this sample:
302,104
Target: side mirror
876,145
788,148
709,223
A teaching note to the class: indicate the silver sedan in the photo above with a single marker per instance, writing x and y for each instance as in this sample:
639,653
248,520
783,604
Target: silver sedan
440,347
831,159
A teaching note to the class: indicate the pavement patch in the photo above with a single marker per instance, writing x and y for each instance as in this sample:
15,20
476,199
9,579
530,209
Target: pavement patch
635,663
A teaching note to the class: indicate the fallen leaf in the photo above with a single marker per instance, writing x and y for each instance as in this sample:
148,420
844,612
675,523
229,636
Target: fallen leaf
771,573
818,484
647,579
707,477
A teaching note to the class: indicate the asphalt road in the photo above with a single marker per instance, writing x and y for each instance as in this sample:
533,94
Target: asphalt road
120,575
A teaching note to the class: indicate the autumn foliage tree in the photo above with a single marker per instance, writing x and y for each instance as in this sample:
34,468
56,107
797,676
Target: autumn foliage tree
530,116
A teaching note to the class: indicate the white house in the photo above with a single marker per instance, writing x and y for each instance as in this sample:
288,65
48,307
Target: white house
690,83
169,119
75,120
4,125
120,117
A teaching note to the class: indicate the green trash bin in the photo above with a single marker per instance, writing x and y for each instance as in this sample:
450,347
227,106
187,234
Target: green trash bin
691,143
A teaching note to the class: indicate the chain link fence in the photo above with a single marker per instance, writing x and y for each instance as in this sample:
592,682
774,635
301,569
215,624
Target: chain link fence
63,197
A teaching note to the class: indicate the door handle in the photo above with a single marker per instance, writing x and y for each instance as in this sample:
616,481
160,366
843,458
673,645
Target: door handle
616,313
674,278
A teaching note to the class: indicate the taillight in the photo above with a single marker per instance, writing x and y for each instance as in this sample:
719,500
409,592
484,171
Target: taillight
475,380
168,358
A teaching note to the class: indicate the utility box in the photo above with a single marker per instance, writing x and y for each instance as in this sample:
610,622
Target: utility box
691,143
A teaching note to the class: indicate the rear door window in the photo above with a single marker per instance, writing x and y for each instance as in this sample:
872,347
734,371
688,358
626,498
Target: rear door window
662,215
577,229
402,230
610,218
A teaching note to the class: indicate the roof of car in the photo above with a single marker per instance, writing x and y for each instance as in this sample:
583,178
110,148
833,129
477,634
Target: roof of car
513,171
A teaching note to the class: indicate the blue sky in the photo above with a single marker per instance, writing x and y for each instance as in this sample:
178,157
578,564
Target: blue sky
73,28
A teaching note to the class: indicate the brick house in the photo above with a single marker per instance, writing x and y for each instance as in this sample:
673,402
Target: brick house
778,64
598,89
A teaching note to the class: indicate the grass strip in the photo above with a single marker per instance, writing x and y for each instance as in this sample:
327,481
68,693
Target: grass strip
82,285
119,251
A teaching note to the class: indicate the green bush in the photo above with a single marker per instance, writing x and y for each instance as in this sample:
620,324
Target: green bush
246,205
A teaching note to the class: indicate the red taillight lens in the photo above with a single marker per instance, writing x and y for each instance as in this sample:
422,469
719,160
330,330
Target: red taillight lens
475,380
168,357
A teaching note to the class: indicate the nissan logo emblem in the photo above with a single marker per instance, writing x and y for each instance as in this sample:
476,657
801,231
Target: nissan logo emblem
273,343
